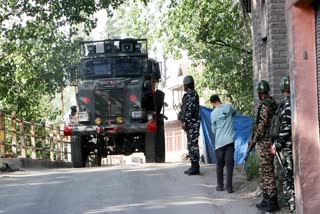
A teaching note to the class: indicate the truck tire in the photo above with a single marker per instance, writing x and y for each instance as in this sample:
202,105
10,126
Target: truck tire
149,147
160,144
77,156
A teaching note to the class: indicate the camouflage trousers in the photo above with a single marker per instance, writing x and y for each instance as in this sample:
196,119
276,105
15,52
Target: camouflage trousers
288,179
266,169
192,132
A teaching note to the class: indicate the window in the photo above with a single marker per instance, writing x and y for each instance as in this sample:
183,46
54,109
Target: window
102,69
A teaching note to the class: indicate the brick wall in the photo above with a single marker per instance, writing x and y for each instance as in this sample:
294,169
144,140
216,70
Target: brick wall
270,43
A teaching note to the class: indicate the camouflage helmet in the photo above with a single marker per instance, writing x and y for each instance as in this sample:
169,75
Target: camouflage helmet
285,84
188,80
263,87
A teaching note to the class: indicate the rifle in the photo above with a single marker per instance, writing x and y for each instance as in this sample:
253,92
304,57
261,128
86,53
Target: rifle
279,159
250,147
176,109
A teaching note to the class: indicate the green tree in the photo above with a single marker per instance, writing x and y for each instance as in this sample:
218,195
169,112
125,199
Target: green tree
38,42
215,35
136,19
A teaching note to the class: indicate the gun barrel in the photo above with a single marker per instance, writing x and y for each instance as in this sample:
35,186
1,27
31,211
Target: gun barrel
279,159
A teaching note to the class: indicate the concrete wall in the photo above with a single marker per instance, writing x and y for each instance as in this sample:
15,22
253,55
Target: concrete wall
304,101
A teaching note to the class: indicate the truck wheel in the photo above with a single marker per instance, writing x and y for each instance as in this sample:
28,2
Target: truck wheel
149,147
160,144
77,156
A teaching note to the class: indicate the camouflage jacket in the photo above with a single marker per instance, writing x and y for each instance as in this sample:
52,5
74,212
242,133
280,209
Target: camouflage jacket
285,123
266,110
190,108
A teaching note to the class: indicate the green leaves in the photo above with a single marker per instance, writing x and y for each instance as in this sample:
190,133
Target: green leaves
38,42
215,36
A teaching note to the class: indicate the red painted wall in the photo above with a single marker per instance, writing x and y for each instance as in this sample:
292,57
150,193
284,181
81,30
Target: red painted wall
301,31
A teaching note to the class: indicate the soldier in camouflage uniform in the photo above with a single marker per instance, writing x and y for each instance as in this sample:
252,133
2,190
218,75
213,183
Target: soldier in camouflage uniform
189,117
263,142
283,143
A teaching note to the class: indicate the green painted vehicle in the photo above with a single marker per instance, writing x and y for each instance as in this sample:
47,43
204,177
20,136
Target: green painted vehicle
118,110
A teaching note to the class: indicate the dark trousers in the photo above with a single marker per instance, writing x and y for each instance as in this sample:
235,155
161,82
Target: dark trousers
225,156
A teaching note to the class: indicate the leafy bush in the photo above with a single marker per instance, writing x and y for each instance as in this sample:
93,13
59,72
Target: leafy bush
252,167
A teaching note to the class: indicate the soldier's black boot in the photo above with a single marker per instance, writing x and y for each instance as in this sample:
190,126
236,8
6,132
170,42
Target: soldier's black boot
264,201
195,168
188,170
271,206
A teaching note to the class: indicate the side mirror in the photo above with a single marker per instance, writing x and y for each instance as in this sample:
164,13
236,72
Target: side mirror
73,110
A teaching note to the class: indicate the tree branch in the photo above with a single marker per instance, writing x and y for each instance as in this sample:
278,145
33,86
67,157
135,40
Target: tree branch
221,43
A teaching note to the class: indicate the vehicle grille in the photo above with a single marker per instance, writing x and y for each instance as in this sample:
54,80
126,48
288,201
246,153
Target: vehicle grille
109,103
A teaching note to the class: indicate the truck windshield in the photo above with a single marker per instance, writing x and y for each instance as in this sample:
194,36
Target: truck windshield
115,67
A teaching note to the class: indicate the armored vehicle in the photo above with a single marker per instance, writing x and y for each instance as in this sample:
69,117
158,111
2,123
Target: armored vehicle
119,111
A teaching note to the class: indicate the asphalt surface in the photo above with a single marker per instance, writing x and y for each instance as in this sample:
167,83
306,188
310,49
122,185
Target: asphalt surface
139,189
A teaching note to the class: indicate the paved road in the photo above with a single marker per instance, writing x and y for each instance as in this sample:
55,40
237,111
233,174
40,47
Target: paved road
140,189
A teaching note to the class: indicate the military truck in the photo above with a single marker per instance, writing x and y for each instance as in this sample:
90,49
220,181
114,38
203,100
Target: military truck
119,111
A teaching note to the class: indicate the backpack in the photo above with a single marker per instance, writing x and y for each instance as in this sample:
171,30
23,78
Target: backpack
275,125
274,130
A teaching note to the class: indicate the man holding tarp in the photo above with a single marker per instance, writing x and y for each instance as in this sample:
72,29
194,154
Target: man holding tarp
222,128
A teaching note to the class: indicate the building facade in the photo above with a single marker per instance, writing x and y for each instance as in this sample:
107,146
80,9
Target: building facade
286,40
175,136
270,43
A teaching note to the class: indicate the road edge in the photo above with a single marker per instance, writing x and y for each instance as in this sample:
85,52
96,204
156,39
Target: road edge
24,163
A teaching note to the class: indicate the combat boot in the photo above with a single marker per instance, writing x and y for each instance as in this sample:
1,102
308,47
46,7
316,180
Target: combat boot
195,168
188,170
264,201
271,206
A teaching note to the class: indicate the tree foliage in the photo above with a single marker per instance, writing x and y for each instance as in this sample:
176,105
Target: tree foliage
216,35
38,42
134,19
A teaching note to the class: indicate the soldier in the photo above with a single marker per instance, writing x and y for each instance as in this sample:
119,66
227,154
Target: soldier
284,143
189,117
261,138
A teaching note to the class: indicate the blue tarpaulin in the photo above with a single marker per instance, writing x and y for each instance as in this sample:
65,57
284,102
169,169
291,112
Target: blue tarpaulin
242,127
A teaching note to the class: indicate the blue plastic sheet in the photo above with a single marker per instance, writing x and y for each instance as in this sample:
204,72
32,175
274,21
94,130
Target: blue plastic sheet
242,127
